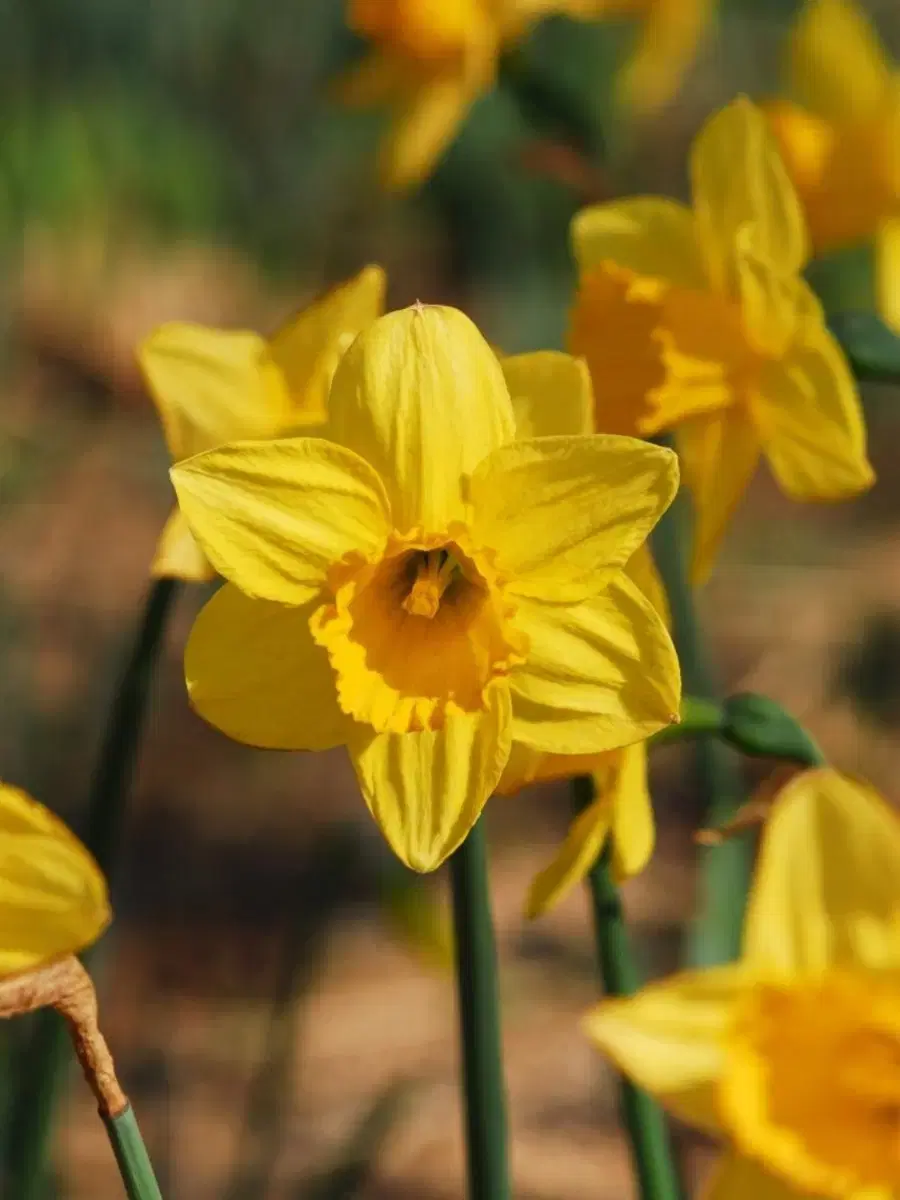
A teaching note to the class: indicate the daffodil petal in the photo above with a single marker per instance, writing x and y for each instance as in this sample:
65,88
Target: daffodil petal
177,554
551,394
825,891
273,516
375,79
526,766
837,67
641,569
737,1178
650,235
599,675
53,897
665,48
810,418
254,672
558,511
427,790
668,1038
719,454
634,829
741,187
887,272
424,127
582,847
211,386
421,397
308,348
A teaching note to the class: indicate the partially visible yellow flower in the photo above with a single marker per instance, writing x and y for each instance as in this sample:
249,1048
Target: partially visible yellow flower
698,320
213,386
53,898
425,589
840,136
793,1054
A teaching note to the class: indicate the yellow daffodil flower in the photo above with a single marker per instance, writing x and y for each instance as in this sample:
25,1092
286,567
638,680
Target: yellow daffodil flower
841,138
697,319
212,386
792,1054
423,588
53,898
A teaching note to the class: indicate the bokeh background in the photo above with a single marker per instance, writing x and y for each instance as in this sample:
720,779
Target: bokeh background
273,985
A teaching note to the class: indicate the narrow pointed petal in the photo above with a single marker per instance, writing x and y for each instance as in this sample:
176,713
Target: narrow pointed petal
561,511
828,880
599,675
837,66
211,386
255,673
719,454
421,397
308,348
741,186
810,418
634,829
551,394
427,790
272,517
887,272
666,46
582,847
177,554
53,897
425,125
668,1038
651,236
737,1178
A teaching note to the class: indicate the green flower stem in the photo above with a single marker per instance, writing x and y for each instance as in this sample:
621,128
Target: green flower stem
715,936
648,1130
46,1056
131,1156
479,1011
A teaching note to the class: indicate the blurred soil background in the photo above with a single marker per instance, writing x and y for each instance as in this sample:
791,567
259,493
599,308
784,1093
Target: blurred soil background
272,1003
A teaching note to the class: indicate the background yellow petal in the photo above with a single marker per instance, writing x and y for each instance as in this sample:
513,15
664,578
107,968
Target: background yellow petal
375,79
740,184
254,672
827,887
633,826
177,554
887,272
425,124
427,790
719,454
551,394
273,516
308,348
420,395
668,1038
599,675
737,1178
53,897
809,415
836,65
666,46
211,386
557,511
649,234
582,847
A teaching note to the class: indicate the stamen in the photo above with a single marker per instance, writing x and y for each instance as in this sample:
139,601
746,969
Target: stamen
434,573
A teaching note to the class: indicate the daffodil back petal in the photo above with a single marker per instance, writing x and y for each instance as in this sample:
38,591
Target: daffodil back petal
634,828
736,1177
582,847
551,394
425,125
837,67
649,235
177,554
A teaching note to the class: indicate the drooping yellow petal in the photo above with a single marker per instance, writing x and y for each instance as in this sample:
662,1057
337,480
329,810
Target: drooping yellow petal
836,65
634,829
551,394
887,272
254,672
177,554
561,511
599,675
427,790
809,416
582,847
719,454
526,766
669,1038
53,897
666,46
827,889
273,516
211,386
421,396
425,125
650,235
741,186
308,348
735,1177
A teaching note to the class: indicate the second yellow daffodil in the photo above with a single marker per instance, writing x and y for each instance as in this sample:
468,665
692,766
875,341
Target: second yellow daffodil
698,320
425,589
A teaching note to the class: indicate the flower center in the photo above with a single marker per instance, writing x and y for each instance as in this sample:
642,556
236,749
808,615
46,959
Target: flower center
812,1083
433,571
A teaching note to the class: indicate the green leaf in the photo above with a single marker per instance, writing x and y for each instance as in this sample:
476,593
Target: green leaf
758,726
871,347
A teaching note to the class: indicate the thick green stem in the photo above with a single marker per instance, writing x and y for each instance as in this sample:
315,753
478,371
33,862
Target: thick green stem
131,1156
645,1122
725,870
46,1056
479,1012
